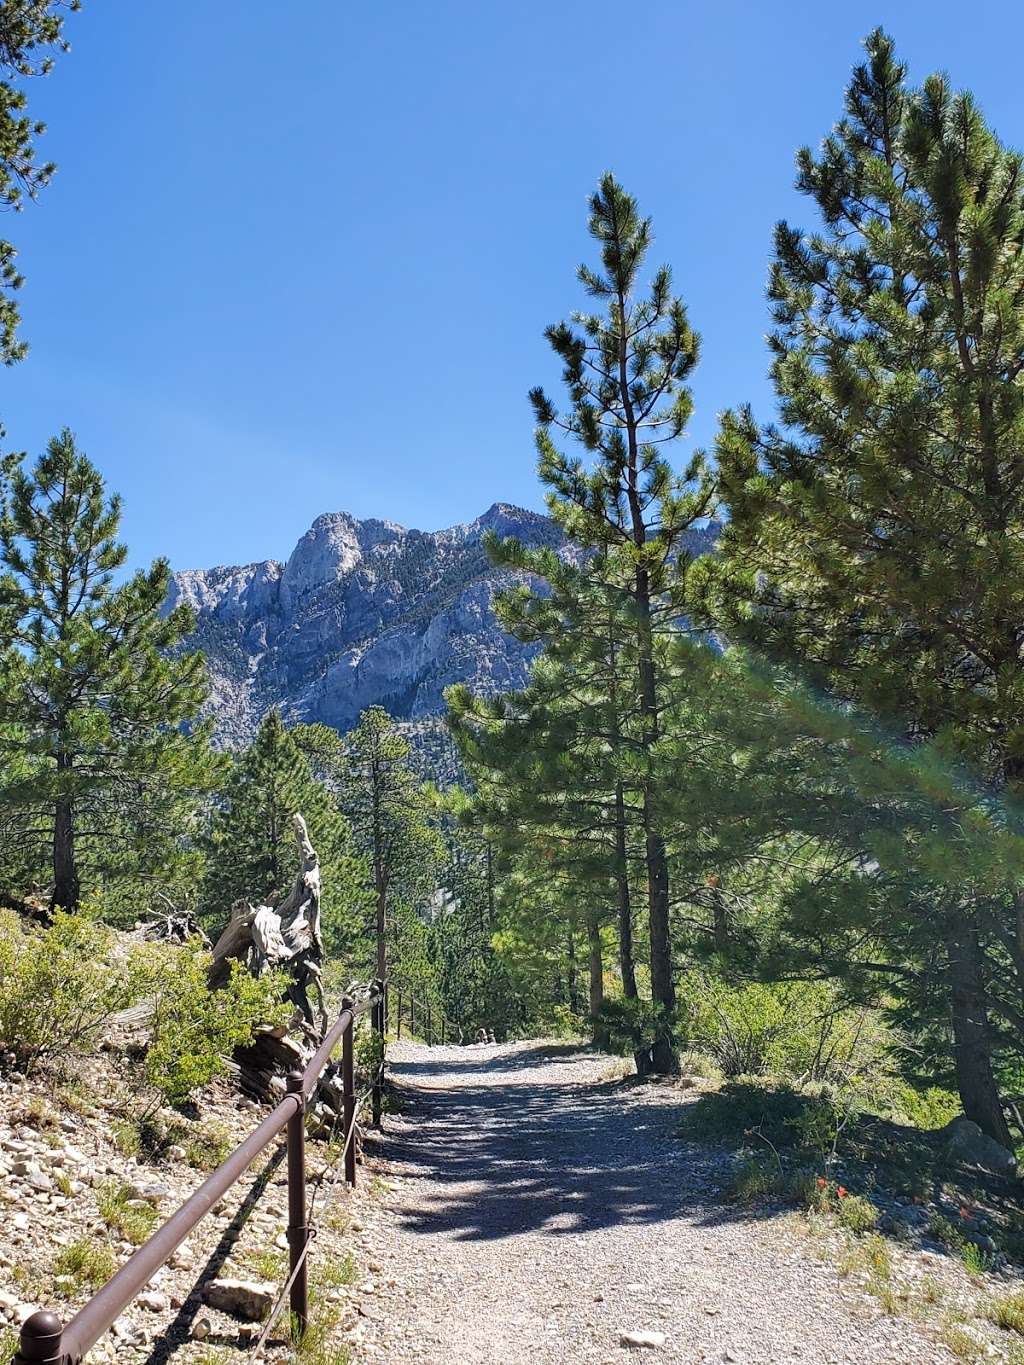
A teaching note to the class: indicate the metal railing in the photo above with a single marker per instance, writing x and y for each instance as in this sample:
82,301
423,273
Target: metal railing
434,1025
44,1341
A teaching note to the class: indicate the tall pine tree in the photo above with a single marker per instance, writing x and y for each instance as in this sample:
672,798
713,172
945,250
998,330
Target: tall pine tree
625,370
93,697
877,537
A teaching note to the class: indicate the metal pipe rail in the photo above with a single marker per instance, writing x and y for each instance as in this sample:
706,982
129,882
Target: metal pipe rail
44,1341
446,1030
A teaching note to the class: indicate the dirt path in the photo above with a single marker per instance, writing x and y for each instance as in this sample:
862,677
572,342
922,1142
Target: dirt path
537,1212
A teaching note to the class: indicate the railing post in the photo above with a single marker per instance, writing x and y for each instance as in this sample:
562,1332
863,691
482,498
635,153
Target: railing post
430,1031
412,1016
377,1023
298,1229
40,1342
348,1090
398,1019
442,1030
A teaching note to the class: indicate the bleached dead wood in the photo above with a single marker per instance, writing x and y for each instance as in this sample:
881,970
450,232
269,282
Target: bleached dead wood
288,938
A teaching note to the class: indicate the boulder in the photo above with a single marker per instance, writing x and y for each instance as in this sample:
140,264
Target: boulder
967,1145
240,1298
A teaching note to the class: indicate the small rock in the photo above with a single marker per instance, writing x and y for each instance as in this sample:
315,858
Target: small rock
241,1298
642,1340
149,1193
201,1328
154,1301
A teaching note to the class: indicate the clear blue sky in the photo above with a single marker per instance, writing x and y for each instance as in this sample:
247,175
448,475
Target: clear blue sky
298,258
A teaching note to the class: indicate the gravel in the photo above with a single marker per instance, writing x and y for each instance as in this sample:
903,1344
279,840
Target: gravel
535,1210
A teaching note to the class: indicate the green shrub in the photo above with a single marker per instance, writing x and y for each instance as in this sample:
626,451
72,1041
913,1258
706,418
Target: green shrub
756,1179
331,1274
810,1190
796,1030
857,1213
742,1108
193,1030
976,1261
929,1108
1008,1313
88,1265
59,986
206,1148
946,1233
133,1218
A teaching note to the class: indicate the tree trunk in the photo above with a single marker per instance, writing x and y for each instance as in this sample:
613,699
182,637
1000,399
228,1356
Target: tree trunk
598,1028
380,878
972,1042
382,949
573,981
625,907
720,919
66,887
664,1061
627,969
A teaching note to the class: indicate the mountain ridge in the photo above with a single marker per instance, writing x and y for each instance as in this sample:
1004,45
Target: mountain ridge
362,611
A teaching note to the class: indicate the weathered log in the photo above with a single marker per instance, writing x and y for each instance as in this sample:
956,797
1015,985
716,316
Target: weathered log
288,938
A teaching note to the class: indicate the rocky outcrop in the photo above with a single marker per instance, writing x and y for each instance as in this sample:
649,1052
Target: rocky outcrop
363,612
967,1145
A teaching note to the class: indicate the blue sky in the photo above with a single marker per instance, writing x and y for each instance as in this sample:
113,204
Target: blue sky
298,258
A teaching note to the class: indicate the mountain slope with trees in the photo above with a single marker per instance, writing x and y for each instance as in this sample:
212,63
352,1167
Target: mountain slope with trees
363,613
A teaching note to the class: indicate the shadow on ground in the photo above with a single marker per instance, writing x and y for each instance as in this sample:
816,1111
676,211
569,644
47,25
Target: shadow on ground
561,1156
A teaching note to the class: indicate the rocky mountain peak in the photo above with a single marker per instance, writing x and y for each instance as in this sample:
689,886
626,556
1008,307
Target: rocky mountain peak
362,612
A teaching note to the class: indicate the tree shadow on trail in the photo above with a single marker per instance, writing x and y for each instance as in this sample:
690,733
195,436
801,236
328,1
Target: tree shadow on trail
490,1058
485,1161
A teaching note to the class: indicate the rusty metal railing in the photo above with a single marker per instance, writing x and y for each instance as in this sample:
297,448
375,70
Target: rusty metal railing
44,1341
433,1025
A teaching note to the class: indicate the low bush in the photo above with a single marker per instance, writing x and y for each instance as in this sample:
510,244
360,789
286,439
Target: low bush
133,1218
977,1261
743,1111
942,1230
758,1178
208,1146
1008,1313
856,1213
192,1031
83,1265
800,1030
59,987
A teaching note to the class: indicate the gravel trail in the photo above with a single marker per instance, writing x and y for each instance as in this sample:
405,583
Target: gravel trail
537,1211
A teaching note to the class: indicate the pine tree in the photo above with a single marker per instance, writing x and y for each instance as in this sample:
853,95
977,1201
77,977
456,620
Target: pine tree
875,539
473,985
625,371
30,32
253,847
391,813
93,698
543,774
